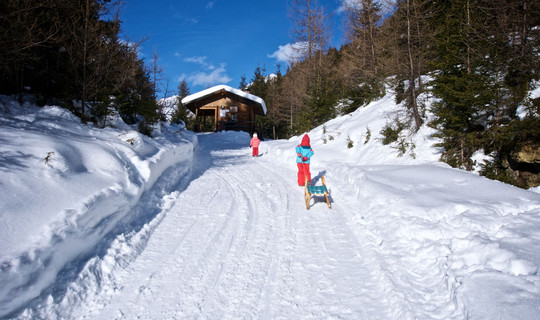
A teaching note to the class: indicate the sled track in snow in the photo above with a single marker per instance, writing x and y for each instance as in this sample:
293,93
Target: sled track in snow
256,252
258,255
237,242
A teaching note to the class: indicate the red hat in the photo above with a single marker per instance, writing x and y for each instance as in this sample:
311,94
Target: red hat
305,141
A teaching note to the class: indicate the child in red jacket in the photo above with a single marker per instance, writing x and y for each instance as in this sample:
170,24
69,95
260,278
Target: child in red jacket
303,154
254,144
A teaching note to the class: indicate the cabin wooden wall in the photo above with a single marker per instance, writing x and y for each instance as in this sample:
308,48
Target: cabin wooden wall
217,107
244,112
221,111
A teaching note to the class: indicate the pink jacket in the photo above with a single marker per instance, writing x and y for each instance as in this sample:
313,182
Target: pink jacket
255,142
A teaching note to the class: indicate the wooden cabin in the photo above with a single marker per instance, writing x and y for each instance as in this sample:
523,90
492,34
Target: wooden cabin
225,108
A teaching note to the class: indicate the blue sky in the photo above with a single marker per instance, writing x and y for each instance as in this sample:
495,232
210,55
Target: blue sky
210,42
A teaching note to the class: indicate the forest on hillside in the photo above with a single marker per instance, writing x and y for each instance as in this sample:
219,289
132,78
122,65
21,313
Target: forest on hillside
69,53
478,59
481,58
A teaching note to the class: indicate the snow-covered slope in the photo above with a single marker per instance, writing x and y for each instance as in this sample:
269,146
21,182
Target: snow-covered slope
362,128
65,187
185,226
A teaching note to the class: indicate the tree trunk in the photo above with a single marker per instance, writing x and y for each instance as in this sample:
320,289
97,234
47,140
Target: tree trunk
412,73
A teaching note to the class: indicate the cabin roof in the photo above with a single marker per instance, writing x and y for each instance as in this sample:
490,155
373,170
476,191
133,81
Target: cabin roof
192,98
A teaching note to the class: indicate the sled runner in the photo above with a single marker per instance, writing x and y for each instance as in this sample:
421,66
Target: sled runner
310,190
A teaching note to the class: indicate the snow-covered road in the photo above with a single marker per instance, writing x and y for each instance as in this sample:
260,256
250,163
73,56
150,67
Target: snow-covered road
239,243
227,236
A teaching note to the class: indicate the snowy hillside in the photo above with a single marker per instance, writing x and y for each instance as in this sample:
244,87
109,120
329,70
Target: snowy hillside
109,224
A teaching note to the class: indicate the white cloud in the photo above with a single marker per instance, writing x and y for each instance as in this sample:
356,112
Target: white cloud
345,4
211,76
216,76
199,60
209,5
289,52
342,7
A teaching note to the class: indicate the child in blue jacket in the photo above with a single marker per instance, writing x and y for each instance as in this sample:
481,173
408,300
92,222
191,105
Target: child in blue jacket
303,154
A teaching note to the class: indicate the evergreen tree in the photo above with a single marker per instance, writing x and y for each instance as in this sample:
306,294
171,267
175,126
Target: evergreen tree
276,123
359,69
476,81
460,83
69,50
243,84
258,85
182,113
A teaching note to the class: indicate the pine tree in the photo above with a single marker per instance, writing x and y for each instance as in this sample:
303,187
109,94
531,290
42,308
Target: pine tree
460,83
413,37
359,69
476,75
258,85
273,123
69,51
243,84
182,113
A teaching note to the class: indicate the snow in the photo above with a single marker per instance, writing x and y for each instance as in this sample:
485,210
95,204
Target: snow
116,225
206,92
535,93
526,109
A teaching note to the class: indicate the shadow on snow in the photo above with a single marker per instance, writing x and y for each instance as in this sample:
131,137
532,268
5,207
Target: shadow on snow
126,221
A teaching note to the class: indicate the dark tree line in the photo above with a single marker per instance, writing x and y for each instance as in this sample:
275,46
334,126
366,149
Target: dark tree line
68,52
481,56
486,55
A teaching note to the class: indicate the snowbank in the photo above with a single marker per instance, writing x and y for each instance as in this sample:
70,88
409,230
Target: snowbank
65,186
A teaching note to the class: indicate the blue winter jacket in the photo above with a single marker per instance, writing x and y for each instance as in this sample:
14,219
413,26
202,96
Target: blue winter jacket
305,151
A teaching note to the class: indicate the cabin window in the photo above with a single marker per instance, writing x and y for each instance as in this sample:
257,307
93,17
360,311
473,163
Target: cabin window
234,113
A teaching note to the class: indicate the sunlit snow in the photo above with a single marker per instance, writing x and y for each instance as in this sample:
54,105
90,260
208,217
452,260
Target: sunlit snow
110,224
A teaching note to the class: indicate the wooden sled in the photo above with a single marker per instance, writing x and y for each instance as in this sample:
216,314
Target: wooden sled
310,190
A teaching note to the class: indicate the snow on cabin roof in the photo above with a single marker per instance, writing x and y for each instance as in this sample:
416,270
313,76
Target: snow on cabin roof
238,92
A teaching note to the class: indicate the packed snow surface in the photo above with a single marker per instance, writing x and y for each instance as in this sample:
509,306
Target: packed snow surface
110,224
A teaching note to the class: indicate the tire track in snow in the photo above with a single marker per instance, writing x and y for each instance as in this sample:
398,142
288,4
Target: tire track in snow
336,280
239,243
287,269
245,279
203,268
261,256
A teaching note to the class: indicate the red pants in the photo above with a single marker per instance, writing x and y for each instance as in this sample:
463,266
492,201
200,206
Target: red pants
255,151
303,172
